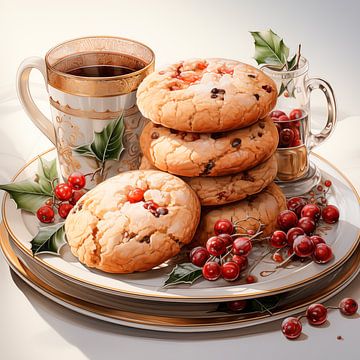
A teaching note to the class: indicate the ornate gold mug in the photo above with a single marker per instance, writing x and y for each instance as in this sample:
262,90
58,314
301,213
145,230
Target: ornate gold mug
92,83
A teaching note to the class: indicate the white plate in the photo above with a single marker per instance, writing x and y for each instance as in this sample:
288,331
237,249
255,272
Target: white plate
343,237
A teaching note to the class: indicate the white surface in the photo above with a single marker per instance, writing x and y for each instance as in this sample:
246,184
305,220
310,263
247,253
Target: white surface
34,328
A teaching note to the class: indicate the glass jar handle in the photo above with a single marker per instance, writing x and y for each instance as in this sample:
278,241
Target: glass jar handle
315,84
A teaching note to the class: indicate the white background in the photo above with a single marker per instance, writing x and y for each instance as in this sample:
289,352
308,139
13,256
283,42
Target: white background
33,328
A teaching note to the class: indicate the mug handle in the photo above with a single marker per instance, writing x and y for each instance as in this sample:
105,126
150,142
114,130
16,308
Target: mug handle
314,84
23,91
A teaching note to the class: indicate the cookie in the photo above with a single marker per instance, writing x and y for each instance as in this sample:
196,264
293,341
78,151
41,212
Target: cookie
264,206
206,95
226,189
217,154
108,232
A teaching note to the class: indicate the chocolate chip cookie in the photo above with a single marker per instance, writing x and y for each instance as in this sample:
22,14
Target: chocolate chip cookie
206,95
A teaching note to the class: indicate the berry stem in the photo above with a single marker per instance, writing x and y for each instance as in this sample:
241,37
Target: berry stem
285,261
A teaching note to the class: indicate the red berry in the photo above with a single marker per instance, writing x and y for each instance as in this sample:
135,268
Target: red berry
215,246
277,257
250,279
150,205
322,253
296,114
348,306
77,180
136,195
63,191
199,256
230,271
316,239
330,214
241,260
242,246
64,210
296,204
49,202
211,270
291,327
76,196
287,219
278,239
223,226
237,305
277,113
296,142
283,118
293,233
226,238
303,246
46,214
312,211
327,183
307,224
316,314
286,137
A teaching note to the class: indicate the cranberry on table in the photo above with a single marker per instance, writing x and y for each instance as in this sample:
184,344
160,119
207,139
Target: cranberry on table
223,226
241,260
291,327
277,257
312,211
330,214
135,195
215,246
64,210
199,256
316,314
293,233
327,183
322,253
296,204
77,180
63,191
303,246
295,114
278,239
242,246
230,271
45,214
226,238
348,306
287,219
211,271
236,305
250,279
316,239
307,224
76,196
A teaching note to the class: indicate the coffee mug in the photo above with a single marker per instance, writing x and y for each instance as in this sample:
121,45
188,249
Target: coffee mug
92,83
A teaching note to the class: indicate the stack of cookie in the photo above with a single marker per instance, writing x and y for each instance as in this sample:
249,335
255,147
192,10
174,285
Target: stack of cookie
210,125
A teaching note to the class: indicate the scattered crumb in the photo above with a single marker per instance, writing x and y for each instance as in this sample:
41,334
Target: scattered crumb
339,337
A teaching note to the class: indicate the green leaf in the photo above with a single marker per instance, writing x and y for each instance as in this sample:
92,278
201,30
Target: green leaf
46,174
28,195
269,48
186,273
292,62
49,239
107,144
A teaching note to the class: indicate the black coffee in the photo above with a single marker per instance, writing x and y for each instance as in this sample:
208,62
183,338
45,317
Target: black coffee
101,71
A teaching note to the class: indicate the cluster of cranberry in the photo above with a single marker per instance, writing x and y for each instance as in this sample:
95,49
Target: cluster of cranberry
316,315
65,196
288,127
225,254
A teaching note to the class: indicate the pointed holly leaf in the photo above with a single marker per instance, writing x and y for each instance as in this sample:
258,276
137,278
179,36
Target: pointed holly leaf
49,239
269,48
292,62
186,273
46,174
28,195
107,144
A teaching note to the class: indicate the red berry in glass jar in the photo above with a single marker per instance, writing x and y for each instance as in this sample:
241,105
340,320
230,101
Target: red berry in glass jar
295,114
277,113
211,271
322,253
296,204
215,246
291,327
237,305
63,191
77,180
316,239
330,214
199,256
230,271
228,240
296,142
303,246
316,314
45,214
64,210
242,246
286,137
278,239
76,196
312,211
293,233
307,224
241,260
136,195
287,219
283,118
348,306
223,226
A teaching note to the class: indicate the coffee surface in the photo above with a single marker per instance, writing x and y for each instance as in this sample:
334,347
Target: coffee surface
101,71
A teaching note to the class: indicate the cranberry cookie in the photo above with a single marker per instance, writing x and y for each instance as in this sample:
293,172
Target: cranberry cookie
226,189
264,206
217,154
117,230
206,95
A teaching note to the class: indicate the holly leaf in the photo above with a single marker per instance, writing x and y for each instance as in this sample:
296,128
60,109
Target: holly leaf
185,273
49,239
269,48
292,62
28,195
46,174
107,144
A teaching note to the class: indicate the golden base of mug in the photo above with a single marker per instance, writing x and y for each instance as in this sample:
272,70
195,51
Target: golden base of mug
293,163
